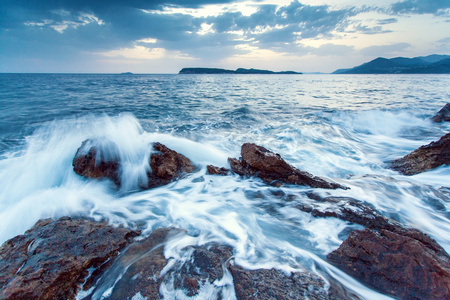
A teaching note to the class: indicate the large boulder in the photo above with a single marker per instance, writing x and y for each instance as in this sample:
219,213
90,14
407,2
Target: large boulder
443,114
424,158
396,264
270,167
51,260
167,165
98,159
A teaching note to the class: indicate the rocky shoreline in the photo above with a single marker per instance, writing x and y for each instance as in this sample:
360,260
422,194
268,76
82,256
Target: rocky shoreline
62,258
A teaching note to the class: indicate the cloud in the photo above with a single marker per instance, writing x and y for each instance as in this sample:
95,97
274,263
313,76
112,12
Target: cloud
385,50
333,50
387,21
436,7
365,29
67,30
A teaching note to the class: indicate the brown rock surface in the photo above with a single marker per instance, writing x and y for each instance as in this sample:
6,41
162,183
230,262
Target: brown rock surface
424,158
144,273
213,170
167,165
265,284
349,209
443,114
399,265
270,167
97,159
145,260
202,266
49,261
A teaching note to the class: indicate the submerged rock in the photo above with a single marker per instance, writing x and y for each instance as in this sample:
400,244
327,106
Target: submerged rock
424,158
387,256
144,261
443,114
50,260
274,284
351,210
98,159
167,165
396,264
150,274
270,167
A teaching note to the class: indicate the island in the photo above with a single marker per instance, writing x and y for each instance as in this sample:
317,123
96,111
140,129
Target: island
237,71
431,64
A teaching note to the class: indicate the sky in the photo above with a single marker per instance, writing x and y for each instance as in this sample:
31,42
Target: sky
163,36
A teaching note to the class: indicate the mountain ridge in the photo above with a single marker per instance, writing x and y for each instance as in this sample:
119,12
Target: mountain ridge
225,71
431,64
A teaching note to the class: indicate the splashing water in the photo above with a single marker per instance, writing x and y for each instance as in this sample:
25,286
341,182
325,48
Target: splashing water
330,138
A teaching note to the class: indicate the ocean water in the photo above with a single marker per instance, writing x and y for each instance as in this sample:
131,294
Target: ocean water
343,127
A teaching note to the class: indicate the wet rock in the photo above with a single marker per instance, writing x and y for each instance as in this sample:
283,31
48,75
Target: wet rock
399,265
349,209
213,170
50,260
274,284
206,264
144,275
145,261
167,165
97,159
149,273
270,167
424,158
443,114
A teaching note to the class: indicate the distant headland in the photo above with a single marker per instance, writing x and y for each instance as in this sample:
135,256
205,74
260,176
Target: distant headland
431,64
224,71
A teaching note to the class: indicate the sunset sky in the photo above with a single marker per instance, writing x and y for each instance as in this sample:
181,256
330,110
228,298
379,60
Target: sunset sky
101,36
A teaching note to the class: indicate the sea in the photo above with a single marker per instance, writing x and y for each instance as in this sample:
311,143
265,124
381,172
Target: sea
346,128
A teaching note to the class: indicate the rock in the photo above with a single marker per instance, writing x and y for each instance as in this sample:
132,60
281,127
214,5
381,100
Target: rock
145,274
398,265
50,260
167,166
151,274
146,261
424,158
274,284
213,170
349,209
97,159
443,114
100,159
270,167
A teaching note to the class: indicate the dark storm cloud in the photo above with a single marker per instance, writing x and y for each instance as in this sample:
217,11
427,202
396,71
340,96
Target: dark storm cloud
436,7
